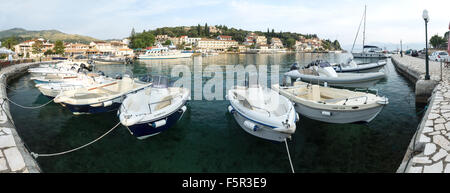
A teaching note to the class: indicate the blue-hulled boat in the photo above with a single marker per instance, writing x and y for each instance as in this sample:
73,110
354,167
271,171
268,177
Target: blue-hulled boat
154,109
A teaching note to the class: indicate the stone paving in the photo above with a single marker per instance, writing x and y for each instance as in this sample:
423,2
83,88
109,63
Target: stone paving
14,157
430,147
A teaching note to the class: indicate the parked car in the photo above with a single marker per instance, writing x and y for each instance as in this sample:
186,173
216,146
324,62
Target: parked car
439,56
414,53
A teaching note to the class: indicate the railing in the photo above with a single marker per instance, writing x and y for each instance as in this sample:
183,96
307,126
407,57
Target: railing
6,63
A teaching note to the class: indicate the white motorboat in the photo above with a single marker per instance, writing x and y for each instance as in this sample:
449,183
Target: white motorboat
164,53
154,109
351,66
319,72
99,98
262,112
333,105
51,88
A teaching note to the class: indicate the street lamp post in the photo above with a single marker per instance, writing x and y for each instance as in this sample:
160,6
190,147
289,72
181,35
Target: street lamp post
426,18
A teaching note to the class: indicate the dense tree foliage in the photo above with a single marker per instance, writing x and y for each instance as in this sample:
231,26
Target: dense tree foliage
437,41
147,38
59,47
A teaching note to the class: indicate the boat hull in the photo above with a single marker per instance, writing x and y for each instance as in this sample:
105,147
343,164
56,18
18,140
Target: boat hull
347,80
182,55
88,109
336,116
362,68
145,129
264,131
369,55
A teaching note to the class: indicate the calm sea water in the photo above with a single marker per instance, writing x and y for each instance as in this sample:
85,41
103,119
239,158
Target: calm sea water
207,138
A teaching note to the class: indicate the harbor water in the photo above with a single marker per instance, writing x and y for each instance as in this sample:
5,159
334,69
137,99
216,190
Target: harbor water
207,138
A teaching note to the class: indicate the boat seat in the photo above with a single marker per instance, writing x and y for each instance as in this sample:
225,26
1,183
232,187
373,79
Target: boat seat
107,91
244,102
166,101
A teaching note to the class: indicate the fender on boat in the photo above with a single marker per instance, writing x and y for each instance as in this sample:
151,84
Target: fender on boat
107,103
230,109
183,109
251,125
159,123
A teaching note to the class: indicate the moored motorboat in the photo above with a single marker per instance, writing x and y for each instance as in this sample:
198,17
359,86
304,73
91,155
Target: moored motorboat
99,98
351,66
262,112
333,105
319,72
154,109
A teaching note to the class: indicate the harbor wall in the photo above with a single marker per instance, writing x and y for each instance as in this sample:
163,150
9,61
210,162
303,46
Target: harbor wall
14,156
429,148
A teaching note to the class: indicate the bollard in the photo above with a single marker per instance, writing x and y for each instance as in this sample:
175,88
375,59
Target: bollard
441,70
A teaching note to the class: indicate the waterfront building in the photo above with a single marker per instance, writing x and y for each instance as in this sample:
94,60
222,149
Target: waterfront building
104,48
222,37
260,41
215,45
26,48
73,49
276,43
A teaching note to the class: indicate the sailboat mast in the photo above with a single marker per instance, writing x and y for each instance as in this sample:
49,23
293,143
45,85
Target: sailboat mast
364,31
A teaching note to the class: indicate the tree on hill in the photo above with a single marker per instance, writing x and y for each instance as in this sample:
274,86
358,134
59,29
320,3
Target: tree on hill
59,47
142,40
10,43
37,47
48,52
290,42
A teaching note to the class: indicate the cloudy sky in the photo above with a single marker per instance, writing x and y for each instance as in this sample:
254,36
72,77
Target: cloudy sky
387,21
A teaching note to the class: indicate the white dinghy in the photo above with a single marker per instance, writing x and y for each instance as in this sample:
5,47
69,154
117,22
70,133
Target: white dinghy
262,112
99,98
154,109
333,105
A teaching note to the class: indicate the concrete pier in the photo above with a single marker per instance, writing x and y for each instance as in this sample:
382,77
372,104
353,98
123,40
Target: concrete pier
428,151
414,69
14,157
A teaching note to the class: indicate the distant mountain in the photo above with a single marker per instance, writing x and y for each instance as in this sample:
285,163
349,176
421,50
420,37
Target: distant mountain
51,35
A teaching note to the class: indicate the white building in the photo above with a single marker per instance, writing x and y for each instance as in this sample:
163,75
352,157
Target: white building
215,45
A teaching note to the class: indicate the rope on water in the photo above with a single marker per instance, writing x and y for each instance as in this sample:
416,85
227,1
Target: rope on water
25,107
36,155
289,155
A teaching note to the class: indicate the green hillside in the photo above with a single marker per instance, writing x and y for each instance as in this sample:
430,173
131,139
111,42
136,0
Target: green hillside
52,35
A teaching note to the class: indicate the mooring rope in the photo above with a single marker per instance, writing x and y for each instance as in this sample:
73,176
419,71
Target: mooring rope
36,155
289,155
25,107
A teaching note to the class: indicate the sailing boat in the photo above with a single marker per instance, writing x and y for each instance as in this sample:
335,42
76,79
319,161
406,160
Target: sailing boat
368,50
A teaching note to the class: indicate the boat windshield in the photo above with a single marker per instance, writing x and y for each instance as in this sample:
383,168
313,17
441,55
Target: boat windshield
320,63
160,82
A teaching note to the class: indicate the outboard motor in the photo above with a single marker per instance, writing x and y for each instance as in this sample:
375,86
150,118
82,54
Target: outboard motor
101,73
118,76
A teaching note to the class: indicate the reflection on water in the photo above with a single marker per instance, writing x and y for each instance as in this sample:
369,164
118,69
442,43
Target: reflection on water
207,139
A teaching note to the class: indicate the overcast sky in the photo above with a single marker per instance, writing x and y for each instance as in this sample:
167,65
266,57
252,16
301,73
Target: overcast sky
387,21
